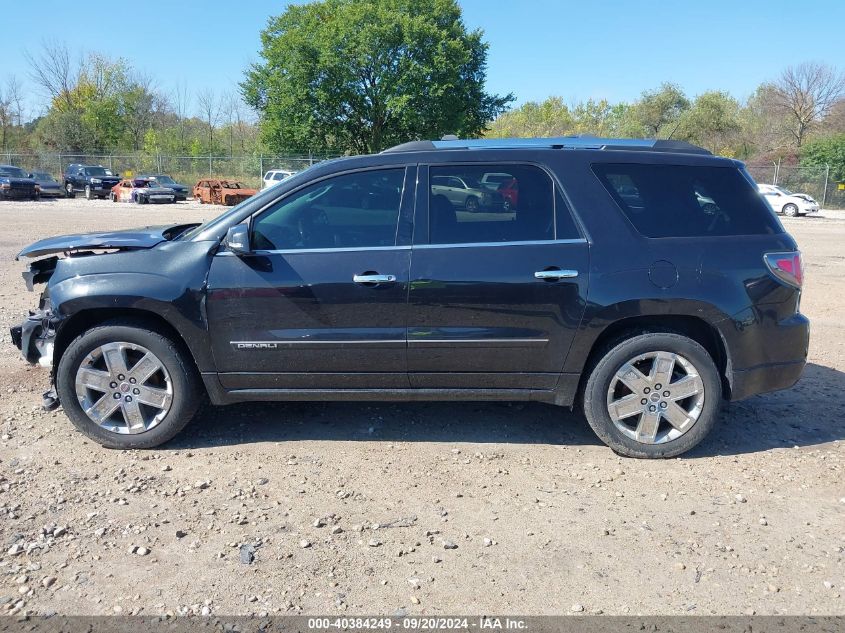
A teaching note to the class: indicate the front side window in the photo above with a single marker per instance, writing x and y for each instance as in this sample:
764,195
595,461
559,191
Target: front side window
490,203
360,209
686,201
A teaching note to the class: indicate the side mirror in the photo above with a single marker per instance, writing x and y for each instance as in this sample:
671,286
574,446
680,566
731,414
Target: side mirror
237,239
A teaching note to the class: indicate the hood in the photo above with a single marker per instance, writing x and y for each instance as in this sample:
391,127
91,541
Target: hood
803,196
131,239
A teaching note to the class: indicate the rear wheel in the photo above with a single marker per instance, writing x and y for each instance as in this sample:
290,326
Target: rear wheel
653,395
69,192
126,386
791,210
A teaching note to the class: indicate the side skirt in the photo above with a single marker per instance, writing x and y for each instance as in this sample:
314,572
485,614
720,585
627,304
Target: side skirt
563,395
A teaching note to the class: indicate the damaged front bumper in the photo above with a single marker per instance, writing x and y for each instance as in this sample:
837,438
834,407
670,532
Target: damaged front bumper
35,337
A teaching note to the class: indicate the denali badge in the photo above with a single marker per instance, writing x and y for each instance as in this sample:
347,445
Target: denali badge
254,345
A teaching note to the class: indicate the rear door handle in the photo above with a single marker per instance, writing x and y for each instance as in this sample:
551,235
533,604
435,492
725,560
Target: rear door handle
372,278
550,275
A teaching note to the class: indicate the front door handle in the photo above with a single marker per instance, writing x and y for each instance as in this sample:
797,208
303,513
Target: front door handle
554,274
373,278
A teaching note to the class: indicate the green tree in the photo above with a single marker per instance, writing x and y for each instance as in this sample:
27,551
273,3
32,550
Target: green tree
532,119
361,75
826,151
658,112
712,122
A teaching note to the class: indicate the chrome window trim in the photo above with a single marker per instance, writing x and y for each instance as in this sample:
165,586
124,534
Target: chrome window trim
321,342
579,240
339,249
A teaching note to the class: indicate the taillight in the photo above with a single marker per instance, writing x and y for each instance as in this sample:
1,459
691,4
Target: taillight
786,266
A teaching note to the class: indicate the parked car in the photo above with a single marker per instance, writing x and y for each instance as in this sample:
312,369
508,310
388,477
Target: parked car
142,191
784,201
95,181
509,190
181,190
17,184
275,176
216,191
609,288
50,187
466,193
493,180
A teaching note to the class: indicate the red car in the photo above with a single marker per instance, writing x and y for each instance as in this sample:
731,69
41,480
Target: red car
509,190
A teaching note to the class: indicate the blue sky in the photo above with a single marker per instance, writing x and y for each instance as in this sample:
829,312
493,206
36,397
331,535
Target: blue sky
610,49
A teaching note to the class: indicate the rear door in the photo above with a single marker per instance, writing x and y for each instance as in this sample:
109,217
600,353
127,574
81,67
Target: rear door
495,297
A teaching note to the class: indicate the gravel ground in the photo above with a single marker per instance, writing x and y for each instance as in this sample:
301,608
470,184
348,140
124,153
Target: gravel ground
425,508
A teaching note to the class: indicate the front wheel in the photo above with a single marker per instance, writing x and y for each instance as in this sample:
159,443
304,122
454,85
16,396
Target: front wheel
471,204
141,199
653,395
127,386
790,210
88,194
69,192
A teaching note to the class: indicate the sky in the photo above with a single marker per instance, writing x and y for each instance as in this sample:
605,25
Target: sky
610,49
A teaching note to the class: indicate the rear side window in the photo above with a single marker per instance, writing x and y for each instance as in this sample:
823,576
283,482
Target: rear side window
494,203
686,201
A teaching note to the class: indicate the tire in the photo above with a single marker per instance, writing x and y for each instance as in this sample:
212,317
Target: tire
69,192
112,197
506,206
790,210
88,195
604,390
140,199
471,204
176,372
36,197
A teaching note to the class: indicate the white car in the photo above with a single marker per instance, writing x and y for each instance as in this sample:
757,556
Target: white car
784,201
275,176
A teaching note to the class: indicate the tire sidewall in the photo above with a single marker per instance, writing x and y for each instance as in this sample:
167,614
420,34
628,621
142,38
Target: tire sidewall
595,394
183,381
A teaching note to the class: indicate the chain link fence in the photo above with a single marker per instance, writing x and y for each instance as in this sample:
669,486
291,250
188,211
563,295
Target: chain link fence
814,181
185,169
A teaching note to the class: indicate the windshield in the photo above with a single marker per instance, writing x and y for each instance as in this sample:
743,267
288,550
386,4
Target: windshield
16,172
784,191
96,171
165,180
42,175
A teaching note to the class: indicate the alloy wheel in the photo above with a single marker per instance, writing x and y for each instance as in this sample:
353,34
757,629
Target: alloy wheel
124,388
655,397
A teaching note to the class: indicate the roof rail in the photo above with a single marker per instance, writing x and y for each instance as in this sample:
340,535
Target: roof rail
561,142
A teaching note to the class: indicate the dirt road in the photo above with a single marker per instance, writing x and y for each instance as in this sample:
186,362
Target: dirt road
424,508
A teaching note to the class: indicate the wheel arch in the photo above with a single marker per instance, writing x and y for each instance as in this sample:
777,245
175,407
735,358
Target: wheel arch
696,328
84,320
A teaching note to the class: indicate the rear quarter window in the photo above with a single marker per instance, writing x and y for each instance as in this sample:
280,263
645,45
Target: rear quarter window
687,201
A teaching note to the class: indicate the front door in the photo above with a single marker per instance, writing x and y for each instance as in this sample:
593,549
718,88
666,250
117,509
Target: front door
497,293
322,300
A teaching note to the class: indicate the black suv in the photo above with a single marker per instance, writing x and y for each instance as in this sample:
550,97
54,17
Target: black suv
94,180
644,281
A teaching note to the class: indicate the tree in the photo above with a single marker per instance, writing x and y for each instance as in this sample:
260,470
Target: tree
11,111
805,94
712,122
209,107
826,151
360,75
532,119
658,112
